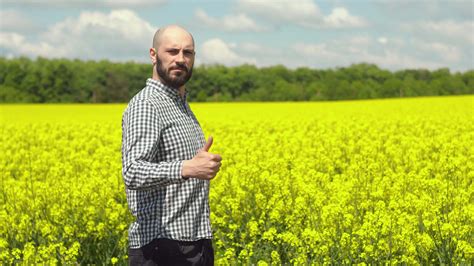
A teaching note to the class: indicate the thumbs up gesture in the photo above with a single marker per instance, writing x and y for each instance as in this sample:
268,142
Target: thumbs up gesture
208,144
204,165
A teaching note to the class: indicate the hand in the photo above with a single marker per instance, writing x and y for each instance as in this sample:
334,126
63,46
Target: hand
204,165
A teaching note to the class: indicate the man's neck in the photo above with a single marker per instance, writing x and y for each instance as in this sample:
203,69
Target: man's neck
182,91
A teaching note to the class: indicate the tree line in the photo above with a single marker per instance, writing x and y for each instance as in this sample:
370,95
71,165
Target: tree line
44,80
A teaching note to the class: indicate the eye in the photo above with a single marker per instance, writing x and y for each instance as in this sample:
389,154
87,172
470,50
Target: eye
173,51
189,52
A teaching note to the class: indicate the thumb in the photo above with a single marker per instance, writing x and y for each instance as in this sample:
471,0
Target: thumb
208,144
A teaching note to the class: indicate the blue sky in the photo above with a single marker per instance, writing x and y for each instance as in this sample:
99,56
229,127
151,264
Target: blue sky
318,34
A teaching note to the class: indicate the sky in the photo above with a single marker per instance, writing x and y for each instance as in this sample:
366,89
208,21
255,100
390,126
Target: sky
394,34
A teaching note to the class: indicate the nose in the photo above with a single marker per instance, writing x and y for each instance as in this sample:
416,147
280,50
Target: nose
180,57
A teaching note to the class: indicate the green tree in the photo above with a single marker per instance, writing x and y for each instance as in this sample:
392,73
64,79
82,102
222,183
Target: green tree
63,80
392,88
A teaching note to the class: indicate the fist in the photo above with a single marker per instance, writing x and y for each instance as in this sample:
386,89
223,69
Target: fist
204,165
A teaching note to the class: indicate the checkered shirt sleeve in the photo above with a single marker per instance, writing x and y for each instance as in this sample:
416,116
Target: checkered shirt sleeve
142,134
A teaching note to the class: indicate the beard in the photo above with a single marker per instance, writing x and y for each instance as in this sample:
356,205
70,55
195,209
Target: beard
173,81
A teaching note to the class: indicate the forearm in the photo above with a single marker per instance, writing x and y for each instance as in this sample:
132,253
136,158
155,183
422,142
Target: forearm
141,175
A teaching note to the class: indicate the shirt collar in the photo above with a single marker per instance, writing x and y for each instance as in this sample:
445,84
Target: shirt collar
169,91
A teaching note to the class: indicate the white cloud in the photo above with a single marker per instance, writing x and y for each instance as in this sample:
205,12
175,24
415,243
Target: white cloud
359,41
319,51
426,9
250,47
390,53
304,13
131,4
448,53
93,35
238,22
84,3
124,24
17,44
454,30
396,60
264,55
340,18
346,51
15,21
387,52
216,51
255,48
382,40
294,11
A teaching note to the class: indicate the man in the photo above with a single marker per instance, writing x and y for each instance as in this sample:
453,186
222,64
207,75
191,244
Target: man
166,163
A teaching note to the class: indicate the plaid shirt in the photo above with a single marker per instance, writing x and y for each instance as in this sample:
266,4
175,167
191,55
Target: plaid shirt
159,131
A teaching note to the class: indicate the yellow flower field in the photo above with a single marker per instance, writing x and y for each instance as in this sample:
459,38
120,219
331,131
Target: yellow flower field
381,181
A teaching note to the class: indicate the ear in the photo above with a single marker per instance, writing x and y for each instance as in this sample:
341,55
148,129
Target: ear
153,55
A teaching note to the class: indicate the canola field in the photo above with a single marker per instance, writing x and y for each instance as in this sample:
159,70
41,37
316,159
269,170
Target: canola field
356,182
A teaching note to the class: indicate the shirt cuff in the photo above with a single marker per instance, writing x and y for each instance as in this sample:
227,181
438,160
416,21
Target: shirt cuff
179,169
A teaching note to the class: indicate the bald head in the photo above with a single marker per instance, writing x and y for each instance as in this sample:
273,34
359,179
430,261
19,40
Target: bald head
169,31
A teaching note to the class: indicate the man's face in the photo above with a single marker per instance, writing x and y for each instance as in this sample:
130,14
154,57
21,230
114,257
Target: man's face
175,59
173,76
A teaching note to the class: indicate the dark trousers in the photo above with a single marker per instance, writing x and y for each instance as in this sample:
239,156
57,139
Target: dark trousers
165,251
